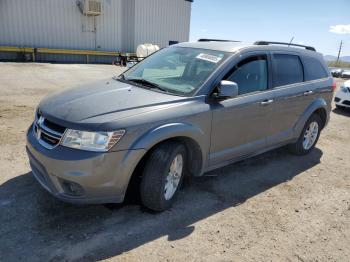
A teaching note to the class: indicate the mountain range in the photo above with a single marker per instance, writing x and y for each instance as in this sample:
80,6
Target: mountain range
334,58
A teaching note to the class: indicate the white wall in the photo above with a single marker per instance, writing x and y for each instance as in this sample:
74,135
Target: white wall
59,24
123,25
159,21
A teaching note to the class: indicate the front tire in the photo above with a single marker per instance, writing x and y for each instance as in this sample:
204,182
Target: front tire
162,176
308,137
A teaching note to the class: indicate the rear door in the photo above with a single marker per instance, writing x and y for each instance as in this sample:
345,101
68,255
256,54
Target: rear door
292,95
241,124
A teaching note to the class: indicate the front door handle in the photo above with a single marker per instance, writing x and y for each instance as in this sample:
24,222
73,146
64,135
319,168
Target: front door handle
307,93
266,102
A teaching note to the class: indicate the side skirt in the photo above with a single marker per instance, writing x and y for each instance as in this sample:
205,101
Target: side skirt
237,159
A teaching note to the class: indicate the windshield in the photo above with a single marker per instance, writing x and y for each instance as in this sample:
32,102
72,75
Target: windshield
176,70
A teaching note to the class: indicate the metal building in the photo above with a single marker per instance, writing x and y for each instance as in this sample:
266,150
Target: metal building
98,25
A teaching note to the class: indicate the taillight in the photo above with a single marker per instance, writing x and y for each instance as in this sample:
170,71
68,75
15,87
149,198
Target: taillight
334,86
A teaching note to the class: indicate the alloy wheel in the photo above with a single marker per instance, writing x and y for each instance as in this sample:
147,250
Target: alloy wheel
174,176
310,135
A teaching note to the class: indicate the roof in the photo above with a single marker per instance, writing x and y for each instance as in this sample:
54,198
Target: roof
237,46
219,46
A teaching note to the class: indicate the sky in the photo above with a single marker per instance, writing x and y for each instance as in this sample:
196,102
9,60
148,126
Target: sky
319,23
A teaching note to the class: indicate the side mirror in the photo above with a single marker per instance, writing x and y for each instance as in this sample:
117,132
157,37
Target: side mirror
227,89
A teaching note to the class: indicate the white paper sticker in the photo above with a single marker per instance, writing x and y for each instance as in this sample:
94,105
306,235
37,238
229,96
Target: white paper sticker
210,58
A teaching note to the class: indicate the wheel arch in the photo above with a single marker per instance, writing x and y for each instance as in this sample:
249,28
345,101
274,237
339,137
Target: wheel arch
188,135
194,153
322,113
191,136
318,106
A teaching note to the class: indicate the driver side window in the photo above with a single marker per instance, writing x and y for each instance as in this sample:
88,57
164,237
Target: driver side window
250,74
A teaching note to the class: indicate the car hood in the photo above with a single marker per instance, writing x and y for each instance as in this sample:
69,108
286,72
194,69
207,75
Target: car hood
103,102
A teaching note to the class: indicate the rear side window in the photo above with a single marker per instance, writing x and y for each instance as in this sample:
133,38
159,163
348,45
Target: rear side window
313,69
287,70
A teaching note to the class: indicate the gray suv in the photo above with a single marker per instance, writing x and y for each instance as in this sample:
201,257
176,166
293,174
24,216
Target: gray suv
185,110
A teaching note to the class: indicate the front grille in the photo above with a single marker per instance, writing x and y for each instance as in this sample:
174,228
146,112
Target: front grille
346,102
54,126
336,99
46,132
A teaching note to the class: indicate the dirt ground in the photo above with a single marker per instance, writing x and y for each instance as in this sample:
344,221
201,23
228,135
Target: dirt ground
274,207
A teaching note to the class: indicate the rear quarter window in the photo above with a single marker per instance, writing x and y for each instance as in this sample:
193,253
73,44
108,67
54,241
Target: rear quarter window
287,69
313,69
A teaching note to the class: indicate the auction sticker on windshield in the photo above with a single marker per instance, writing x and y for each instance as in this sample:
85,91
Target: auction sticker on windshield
210,58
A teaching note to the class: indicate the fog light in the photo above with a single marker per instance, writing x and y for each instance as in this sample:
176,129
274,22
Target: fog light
73,189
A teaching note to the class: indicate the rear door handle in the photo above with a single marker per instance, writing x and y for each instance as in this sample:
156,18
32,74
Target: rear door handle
307,93
266,102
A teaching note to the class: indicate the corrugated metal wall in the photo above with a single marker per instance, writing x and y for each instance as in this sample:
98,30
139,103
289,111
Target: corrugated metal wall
59,24
122,26
165,20
128,28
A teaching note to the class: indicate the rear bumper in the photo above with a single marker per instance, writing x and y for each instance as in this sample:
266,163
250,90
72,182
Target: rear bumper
82,177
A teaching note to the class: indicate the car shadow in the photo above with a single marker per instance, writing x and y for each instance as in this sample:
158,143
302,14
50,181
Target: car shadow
342,111
36,226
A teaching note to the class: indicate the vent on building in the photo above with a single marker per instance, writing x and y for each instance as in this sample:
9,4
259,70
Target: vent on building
90,7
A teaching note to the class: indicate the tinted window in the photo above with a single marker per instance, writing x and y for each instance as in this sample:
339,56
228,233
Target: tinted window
313,69
250,75
287,70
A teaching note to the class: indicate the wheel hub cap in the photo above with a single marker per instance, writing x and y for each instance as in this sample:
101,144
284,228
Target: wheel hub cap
310,135
173,177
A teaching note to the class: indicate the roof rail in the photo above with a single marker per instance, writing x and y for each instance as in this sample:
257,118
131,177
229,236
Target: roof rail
283,43
216,40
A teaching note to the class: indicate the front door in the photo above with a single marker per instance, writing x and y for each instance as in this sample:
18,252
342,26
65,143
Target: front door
240,125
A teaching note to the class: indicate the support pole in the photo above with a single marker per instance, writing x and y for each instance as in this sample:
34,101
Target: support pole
341,44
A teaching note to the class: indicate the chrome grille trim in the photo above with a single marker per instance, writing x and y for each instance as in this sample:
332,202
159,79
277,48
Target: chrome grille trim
49,131
39,128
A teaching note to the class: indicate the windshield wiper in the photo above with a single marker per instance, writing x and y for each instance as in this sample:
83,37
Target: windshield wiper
146,83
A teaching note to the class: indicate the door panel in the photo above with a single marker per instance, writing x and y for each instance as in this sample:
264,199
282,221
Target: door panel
289,105
240,126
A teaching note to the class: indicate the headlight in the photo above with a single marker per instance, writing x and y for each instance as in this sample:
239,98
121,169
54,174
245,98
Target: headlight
91,141
344,89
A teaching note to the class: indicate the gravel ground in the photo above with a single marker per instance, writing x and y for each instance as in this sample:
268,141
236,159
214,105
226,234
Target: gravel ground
274,207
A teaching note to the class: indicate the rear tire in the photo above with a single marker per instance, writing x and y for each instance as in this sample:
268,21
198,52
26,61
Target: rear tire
162,176
308,137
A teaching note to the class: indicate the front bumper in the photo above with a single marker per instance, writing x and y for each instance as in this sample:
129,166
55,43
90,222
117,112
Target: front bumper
82,177
342,99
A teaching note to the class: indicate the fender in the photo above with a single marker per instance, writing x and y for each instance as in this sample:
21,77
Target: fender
315,105
172,130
